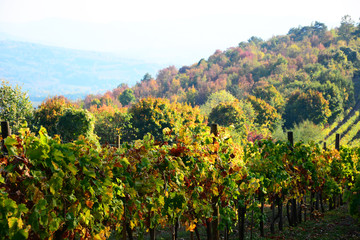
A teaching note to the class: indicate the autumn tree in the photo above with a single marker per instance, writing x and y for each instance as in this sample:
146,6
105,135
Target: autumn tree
266,115
48,113
271,96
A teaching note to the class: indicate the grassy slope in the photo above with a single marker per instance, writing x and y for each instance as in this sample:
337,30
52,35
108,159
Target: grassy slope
348,127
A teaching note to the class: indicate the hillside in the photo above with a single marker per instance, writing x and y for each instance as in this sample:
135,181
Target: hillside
44,70
312,73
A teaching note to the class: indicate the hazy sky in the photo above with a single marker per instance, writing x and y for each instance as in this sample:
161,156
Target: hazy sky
163,31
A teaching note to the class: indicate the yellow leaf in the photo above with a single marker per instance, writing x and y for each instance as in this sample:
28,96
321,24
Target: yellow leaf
15,221
132,224
215,191
243,186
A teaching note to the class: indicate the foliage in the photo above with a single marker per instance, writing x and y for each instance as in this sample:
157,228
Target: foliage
266,114
307,131
307,58
354,199
110,125
78,190
15,106
215,99
229,113
54,190
74,123
271,96
127,97
153,115
48,113
333,95
310,105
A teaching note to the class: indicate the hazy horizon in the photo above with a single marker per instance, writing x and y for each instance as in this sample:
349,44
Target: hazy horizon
173,33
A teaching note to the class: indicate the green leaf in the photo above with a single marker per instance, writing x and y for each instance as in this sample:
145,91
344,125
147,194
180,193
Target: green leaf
10,144
72,169
2,180
22,208
55,183
21,234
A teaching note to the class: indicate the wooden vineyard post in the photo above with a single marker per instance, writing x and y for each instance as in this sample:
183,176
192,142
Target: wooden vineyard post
215,205
118,141
291,139
261,198
337,147
294,212
272,224
214,130
126,228
337,142
241,224
5,132
280,213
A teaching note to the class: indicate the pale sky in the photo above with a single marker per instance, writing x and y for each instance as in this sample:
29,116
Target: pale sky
163,31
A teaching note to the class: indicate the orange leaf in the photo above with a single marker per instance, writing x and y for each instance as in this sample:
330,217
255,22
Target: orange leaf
89,203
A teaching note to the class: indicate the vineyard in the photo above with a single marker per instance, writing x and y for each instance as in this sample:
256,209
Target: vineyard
348,128
78,190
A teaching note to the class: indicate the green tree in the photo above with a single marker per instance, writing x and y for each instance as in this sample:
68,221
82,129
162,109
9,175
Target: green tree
109,125
346,29
127,97
153,115
215,99
309,105
307,131
15,106
147,77
228,113
76,122
333,95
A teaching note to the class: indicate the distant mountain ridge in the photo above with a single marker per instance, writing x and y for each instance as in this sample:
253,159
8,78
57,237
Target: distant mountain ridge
46,71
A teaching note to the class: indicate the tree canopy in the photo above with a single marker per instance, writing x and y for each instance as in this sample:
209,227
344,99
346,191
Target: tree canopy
15,105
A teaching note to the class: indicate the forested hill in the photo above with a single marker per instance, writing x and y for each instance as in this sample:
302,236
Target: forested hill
312,73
